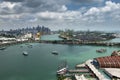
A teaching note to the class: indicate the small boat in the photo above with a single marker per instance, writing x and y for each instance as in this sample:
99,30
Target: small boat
101,50
55,52
62,69
25,53
2,48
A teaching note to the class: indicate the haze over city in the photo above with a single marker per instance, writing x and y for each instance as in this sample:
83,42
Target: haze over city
60,14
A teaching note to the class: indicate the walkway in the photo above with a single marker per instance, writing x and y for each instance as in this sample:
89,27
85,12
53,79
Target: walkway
95,71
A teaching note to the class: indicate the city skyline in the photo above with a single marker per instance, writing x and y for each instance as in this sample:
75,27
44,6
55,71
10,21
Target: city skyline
62,14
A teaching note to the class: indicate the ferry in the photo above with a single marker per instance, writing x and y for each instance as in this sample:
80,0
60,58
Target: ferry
25,53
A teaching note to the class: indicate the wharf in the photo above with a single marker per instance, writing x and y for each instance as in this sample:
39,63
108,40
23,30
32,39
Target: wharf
80,65
95,71
78,71
82,77
100,43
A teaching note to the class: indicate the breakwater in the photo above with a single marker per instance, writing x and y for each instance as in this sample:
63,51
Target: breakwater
64,42
81,42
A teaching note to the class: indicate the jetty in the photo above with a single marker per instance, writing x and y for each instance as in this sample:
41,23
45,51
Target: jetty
95,43
95,71
78,71
69,42
80,65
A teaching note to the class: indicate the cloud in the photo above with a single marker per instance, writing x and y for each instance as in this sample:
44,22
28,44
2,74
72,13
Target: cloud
55,12
109,7
14,0
87,1
110,10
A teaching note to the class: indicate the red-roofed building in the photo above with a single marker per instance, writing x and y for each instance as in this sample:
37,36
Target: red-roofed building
107,62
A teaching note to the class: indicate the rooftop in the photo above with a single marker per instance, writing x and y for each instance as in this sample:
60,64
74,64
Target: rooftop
113,72
109,62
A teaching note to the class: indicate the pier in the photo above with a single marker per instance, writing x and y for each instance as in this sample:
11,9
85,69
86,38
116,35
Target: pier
64,42
100,43
95,71
78,71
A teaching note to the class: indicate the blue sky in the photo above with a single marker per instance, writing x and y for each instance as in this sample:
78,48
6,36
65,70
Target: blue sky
61,14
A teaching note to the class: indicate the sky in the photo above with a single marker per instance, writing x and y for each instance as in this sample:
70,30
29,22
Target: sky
61,14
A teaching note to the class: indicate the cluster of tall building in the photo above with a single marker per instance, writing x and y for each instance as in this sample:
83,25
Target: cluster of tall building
18,32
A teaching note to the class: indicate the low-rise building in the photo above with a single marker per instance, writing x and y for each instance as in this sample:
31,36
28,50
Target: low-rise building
107,62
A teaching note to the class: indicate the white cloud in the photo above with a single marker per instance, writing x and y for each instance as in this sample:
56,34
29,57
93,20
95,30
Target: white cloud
7,5
63,8
92,11
106,13
60,15
109,7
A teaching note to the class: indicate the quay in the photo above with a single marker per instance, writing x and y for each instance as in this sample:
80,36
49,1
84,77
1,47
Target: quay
80,65
78,71
63,42
100,43
95,71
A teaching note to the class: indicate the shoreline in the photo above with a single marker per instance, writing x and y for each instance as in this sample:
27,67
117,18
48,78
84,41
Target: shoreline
68,42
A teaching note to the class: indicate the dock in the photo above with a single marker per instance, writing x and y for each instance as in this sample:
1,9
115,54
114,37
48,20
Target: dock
80,65
82,77
78,71
95,71
95,43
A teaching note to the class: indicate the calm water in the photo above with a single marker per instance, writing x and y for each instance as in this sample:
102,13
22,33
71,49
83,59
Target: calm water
40,64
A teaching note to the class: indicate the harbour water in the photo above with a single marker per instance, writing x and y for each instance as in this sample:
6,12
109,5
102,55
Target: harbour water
40,64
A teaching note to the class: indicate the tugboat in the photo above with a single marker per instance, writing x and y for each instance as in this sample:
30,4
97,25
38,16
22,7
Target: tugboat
25,53
55,52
